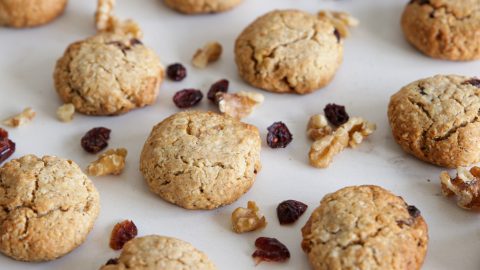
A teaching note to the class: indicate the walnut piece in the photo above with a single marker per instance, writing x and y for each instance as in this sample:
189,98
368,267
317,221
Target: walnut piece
247,219
209,53
238,105
350,134
110,162
21,119
106,21
340,20
466,186
318,127
65,112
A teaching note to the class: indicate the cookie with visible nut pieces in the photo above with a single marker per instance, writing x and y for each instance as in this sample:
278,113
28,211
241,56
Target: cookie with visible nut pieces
30,13
365,227
202,6
201,160
48,207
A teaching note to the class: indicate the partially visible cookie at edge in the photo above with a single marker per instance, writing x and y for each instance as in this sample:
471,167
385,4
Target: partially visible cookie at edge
30,13
202,6
365,227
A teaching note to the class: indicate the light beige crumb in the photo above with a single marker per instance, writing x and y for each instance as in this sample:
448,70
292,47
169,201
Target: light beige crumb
247,219
65,112
211,52
20,119
238,105
110,162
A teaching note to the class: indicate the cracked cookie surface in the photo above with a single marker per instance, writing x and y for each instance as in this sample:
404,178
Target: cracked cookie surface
202,6
445,29
108,74
29,13
437,120
154,252
365,227
48,207
201,160
289,51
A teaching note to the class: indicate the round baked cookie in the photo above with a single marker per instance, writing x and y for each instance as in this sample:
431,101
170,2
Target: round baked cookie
202,6
48,207
201,160
289,51
29,13
445,29
108,74
365,227
155,252
437,120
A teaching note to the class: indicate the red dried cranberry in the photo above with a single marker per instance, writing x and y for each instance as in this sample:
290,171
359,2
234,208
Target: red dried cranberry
336,114
337,35
7,146
122,233
270,250
112,261
3,133
187,98
278,135
289,211
413,211
96,139
176,72
220,86
474,81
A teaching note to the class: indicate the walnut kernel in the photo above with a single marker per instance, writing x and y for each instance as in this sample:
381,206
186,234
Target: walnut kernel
110,162
318,127
238,105
106,21
65,112
20,119
247,219
340,20
209,53
465,186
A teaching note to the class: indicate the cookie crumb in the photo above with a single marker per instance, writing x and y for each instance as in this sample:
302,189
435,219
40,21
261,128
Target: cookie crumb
341,20
65,112
21,119
247,219
238,105
465,186
209,53
110,162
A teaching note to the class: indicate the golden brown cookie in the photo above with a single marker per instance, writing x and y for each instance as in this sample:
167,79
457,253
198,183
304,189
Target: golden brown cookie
201,160
437,120
155,252
289,51
445,29
365,227
108,74
29,13
202,6
48,207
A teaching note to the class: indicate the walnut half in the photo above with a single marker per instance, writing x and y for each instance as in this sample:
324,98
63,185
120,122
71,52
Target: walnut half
110,162
209,53
247,219
466,186
238,105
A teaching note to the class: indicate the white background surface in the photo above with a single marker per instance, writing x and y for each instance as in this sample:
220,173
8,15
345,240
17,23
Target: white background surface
378,62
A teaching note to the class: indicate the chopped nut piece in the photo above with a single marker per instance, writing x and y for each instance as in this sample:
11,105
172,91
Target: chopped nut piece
350,134
106,21
247,219
209,53
318,127
466,186
341,20
65,112
238,105
20,119
110,162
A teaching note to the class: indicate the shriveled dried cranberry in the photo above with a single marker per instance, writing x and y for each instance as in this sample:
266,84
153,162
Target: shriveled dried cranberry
122,233
278,135
95,140
413,211
337,35
270,250
112,261
336,114
220,86
176,72
474,81
187,98
289,211
7,146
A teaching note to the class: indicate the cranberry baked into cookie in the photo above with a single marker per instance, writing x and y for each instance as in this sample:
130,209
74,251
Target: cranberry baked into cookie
29,13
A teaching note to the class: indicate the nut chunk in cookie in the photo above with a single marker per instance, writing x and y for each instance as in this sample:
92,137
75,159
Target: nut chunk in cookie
201,160
111,72
48,207
365,227
437,120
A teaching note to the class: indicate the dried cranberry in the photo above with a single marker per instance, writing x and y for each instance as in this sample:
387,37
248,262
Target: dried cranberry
289,211
112,261
220,86
3,133
96,139
187,98
270,250
474,81
176,72
337,35
413,211
7,146
278,135
122,233
336,114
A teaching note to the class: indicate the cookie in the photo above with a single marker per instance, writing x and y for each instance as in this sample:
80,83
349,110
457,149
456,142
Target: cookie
300,53
154,252
202,6
108,74
201,160
29,13
437,120
48,207
365,227
444,29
